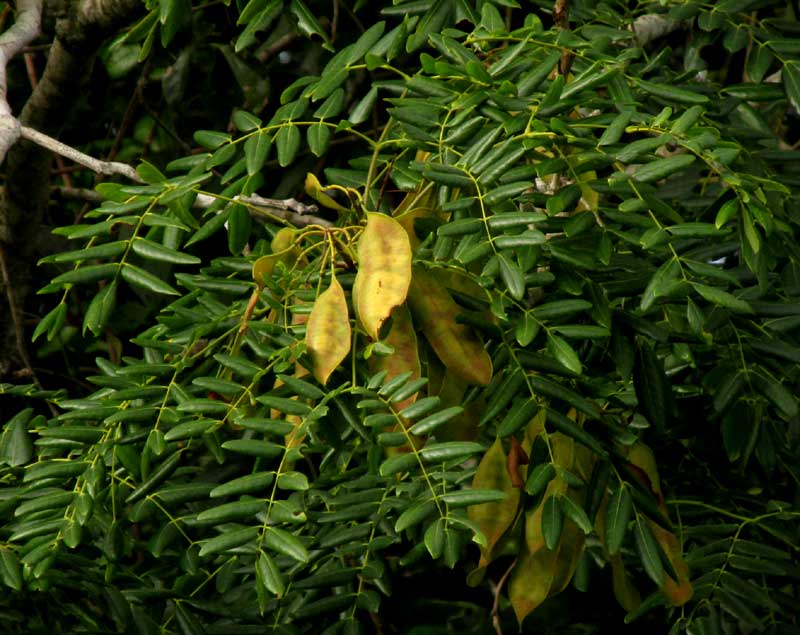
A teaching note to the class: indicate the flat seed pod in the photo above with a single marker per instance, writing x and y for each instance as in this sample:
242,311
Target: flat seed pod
457,345
384,272
494,518
328,331
405,358
531,581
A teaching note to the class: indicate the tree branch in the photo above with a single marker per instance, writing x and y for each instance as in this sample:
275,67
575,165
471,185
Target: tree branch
108,168
651,26
288,210
26,28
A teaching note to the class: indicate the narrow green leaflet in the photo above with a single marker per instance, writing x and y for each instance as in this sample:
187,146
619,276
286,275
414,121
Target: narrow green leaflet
228,540
414,514
307,23
138,277
288,143
364,107
155,251
647,547
268,577
662,282
285,543
87,274
564,353
672,93
722,298
539,478
256,150
576,514
512,277
662,168
211,139
552,521
252,483
16,445
318,137
791,82
430,423
464,498
618,515
10,569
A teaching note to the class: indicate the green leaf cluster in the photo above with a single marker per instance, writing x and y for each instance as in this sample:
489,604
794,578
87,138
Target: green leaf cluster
611,207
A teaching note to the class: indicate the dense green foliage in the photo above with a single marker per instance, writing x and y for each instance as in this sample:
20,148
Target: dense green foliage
614,211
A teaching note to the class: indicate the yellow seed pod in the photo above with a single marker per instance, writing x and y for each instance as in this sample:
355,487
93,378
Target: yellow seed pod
531,581
496,517
328,331
384,272
457,345
460,282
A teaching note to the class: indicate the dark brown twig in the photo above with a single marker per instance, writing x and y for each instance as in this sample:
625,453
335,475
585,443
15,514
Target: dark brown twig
13,308
33,80
496,604
561,17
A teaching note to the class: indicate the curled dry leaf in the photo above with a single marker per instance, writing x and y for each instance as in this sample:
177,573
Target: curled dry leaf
457,345
283,250
328,331
315,190
517,457
384,272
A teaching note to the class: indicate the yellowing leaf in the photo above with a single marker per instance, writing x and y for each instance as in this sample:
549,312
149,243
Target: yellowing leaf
328,331
679,591
642,457
457,345
384,272
624,590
